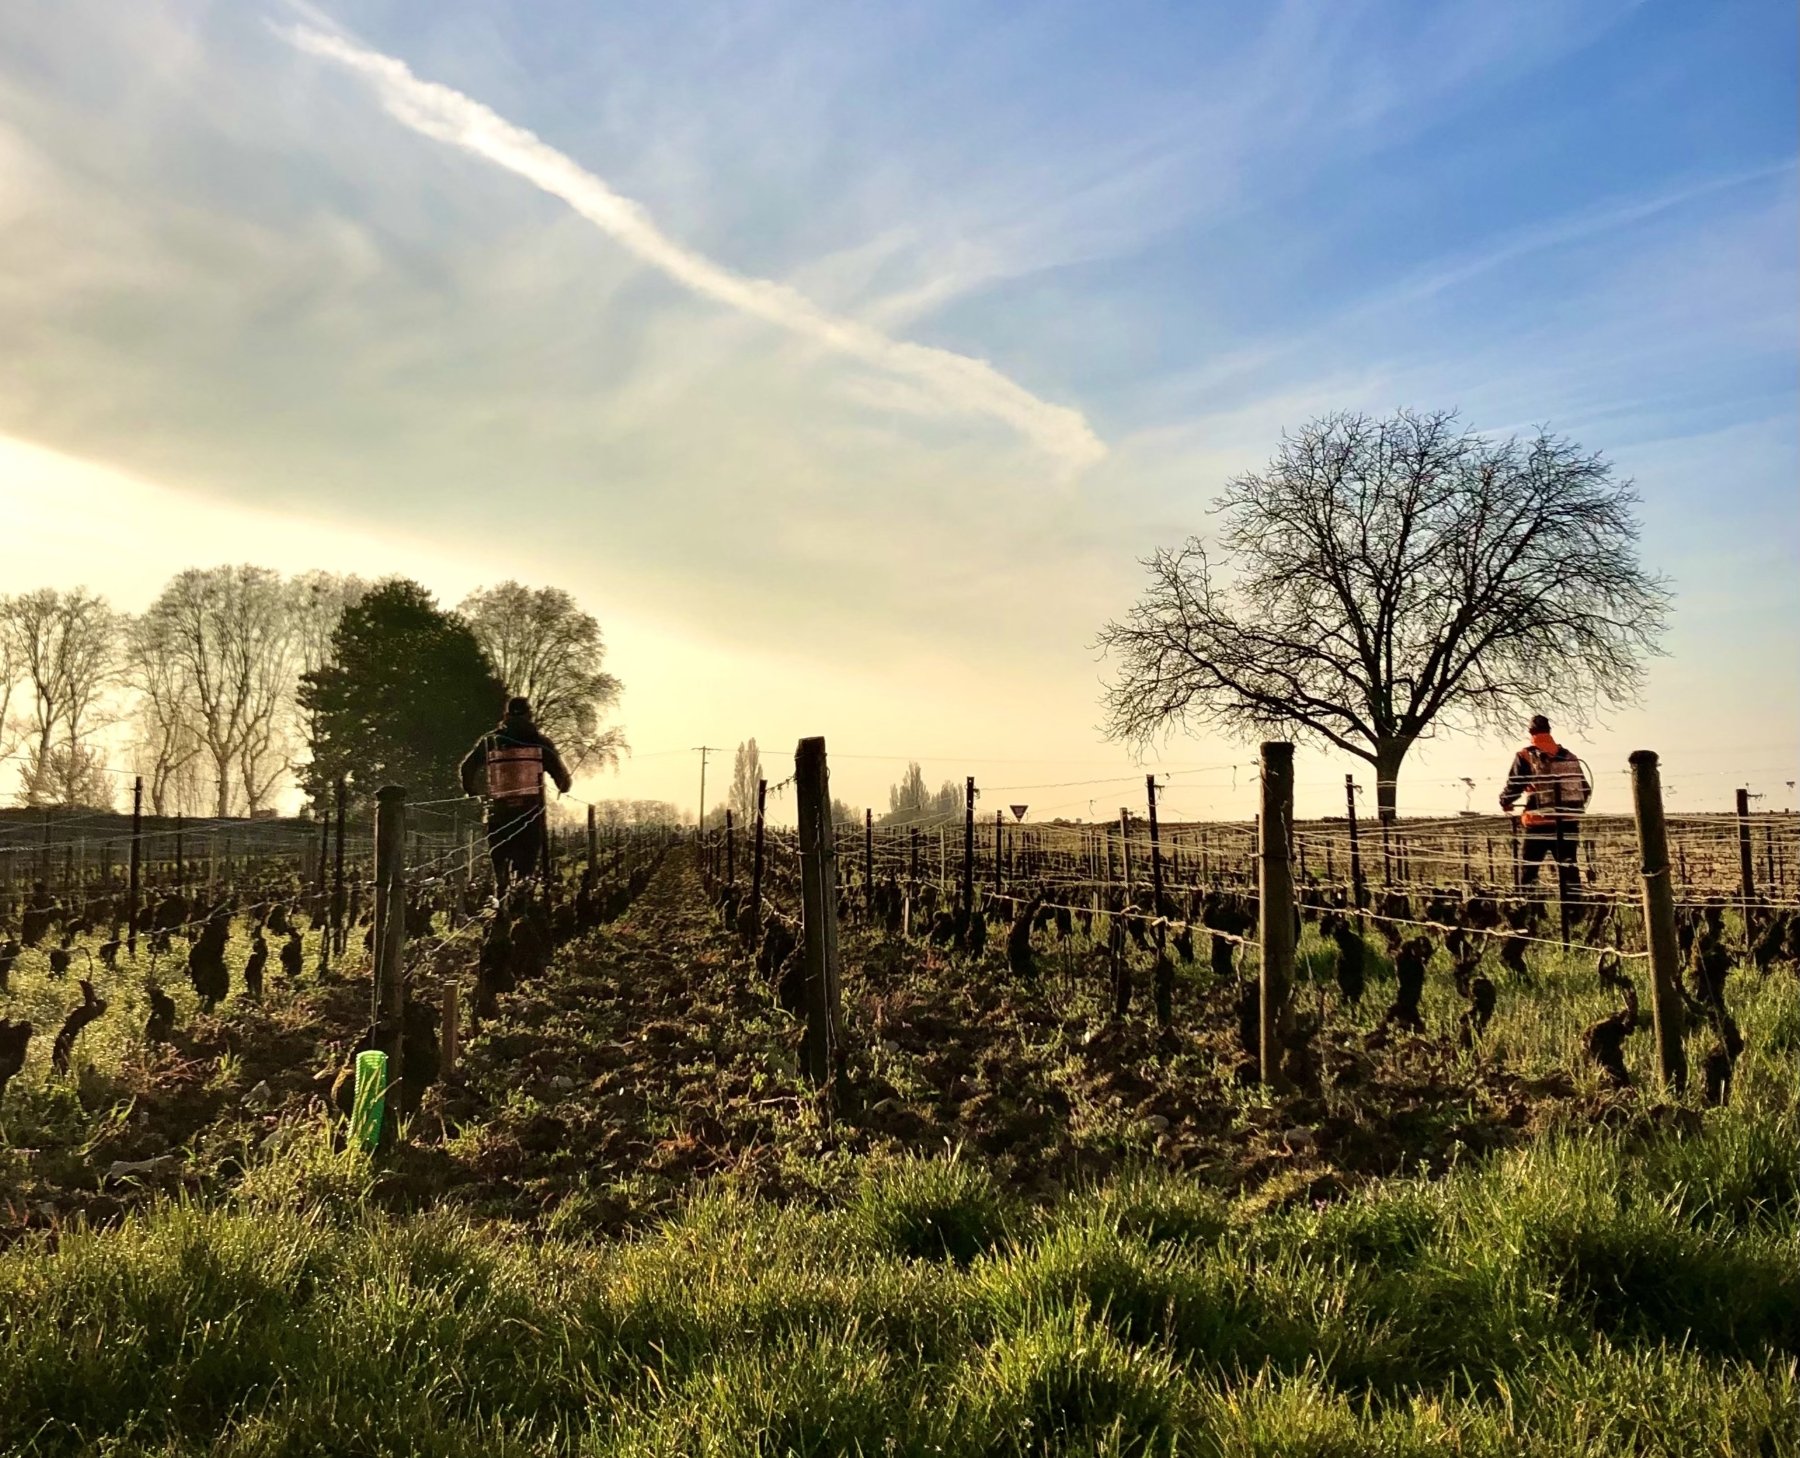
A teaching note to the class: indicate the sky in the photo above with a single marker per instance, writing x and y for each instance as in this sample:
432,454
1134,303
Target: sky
844,359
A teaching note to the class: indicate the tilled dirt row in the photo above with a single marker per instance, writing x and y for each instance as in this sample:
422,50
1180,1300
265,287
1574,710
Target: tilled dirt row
652,1054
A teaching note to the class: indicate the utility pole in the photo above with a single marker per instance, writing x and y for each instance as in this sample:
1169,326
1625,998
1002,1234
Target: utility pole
703,750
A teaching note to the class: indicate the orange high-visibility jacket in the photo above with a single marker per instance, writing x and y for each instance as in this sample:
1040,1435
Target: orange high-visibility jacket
1551,781
508,764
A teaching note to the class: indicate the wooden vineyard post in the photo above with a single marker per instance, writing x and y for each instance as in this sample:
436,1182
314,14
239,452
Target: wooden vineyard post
387,993
999,831
448,1032
1659,919
1165,969
321,877
968,869
338,902
868,864
1356,872
1125,848
546,865
137,862
912,878
1275,890
756,867
593,840
1746,862
1563,908
818,908
730,848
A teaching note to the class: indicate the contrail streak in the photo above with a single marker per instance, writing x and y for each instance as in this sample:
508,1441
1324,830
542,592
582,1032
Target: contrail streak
957,382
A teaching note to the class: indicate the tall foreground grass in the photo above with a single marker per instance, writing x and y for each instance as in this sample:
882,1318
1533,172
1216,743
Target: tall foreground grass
1591,1295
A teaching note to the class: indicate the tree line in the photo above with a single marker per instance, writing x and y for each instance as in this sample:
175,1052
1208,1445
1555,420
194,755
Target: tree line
237,683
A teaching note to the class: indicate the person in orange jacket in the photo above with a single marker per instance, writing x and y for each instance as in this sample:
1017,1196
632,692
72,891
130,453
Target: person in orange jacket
1554,789
508,765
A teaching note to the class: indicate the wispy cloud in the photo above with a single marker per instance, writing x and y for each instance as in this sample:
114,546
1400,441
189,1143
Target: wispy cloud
958,383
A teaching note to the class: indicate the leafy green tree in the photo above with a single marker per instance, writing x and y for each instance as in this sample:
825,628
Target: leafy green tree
405,692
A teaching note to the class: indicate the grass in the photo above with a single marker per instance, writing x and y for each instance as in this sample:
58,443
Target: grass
1624,1281
1586,1295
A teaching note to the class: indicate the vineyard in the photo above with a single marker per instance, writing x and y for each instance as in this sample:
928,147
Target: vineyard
983,1136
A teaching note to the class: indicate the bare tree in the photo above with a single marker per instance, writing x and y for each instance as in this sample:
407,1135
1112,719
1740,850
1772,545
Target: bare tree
316,601
545,647
65,650
167,748
11,670
746,770
230,635
1389,576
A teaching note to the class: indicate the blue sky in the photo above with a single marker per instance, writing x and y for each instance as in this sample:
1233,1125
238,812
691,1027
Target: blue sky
238,281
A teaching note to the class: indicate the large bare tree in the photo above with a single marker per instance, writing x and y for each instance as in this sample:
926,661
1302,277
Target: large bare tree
64,648
546,648
228,636
1382,578
167,747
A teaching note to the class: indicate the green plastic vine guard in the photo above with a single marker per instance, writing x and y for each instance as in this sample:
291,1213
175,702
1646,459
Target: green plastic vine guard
371,1097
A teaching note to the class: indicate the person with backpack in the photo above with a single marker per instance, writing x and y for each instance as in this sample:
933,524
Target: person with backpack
1549,785
508,765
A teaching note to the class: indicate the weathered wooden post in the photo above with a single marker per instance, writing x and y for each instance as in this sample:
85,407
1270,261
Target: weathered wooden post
1746,862
999,831
1125,848
818,908
968,876
1276,893
912,877
1659,919
387,993
137,862
593,840
730,847
756,867
1164,988
449,1029
338,902
868,864
1356,873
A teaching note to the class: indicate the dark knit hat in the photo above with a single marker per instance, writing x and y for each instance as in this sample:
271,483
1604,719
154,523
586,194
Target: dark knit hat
1539,724
518,708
